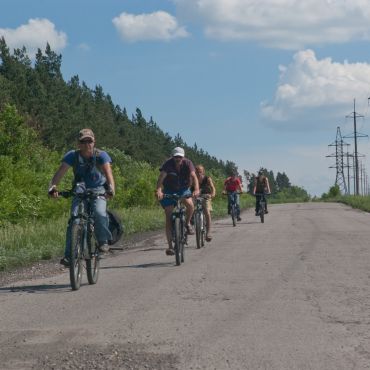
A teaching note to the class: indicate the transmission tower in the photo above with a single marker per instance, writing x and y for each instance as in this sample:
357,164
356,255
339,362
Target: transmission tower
355,135
340,178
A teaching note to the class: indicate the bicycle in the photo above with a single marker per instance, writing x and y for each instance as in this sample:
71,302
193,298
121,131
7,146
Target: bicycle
262,206
199,222
84,245
179,235
232,205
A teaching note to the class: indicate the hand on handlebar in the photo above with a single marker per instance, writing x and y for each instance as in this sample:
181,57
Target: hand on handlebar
53,192
159,194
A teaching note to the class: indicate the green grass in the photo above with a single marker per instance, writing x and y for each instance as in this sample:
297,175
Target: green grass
24,244
358,202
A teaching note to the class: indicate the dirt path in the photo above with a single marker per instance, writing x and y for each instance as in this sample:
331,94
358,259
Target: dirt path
292,293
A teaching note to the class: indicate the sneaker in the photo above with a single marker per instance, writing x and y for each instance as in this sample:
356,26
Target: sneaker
65,262
104,248
208,238
189,230
238,218
266,211
170,252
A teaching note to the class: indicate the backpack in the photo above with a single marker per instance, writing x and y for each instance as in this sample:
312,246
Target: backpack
115,226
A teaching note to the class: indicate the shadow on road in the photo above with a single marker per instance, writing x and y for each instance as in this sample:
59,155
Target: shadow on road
140,266
36,288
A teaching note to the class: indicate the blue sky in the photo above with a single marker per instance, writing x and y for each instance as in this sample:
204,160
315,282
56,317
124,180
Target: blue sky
258,82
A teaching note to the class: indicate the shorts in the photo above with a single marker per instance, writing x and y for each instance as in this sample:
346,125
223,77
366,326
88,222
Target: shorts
207,204
165,202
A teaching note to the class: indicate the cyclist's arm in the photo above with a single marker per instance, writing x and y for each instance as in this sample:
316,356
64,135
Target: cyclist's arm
63,168
213,189
161,177
254,187
195,183
107,170
268,185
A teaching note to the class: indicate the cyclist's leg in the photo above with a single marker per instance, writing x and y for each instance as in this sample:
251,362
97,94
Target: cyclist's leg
265,198
258,199
229,200
168,214
102,231
207,206
237,203
188,202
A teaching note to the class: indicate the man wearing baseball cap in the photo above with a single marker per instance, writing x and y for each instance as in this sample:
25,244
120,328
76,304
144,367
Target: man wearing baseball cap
93,167
177,174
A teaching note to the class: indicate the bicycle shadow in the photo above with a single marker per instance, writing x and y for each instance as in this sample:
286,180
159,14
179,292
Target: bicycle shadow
44,288
140,266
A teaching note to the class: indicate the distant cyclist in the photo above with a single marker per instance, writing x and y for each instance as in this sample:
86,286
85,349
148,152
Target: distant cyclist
176,176
261,186
208,192
93,167
233,187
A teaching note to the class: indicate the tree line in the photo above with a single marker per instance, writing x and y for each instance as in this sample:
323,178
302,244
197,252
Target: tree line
58,109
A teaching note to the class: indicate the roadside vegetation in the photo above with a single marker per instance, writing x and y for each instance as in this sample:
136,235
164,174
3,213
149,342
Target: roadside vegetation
355,201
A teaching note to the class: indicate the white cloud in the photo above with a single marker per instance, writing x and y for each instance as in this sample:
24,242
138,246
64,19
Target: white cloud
287,24
310,88
154,26
33,35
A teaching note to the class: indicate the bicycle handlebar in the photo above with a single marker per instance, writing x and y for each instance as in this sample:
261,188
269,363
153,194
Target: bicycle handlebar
88,193
176,196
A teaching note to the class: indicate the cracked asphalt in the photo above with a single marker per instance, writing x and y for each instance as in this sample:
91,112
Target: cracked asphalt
292,293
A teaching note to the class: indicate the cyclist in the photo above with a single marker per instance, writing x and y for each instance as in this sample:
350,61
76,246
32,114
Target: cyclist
93,167
233,187
208,192
176,176
261,186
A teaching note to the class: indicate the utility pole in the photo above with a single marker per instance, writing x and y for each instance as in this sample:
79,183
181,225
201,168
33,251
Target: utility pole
348,167
340,179
355,135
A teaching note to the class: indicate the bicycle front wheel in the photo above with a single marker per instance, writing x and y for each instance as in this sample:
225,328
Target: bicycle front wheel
198,229
93,262
203,229
178,241
76,257
233,214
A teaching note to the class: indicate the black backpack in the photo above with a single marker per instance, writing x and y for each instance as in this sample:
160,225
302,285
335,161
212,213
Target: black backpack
115,226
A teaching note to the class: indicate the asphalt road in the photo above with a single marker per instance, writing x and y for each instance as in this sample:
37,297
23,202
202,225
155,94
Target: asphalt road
292,293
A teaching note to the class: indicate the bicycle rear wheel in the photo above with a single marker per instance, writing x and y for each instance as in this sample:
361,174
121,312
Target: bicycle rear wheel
93,262
178,241
198,228
76,257
262,212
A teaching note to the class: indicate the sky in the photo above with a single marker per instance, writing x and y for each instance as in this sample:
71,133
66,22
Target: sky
262,83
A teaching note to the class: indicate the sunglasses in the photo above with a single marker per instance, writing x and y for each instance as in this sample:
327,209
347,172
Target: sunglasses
86,141
178,156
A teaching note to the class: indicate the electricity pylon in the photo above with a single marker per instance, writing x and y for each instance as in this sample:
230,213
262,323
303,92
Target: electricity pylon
340,178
